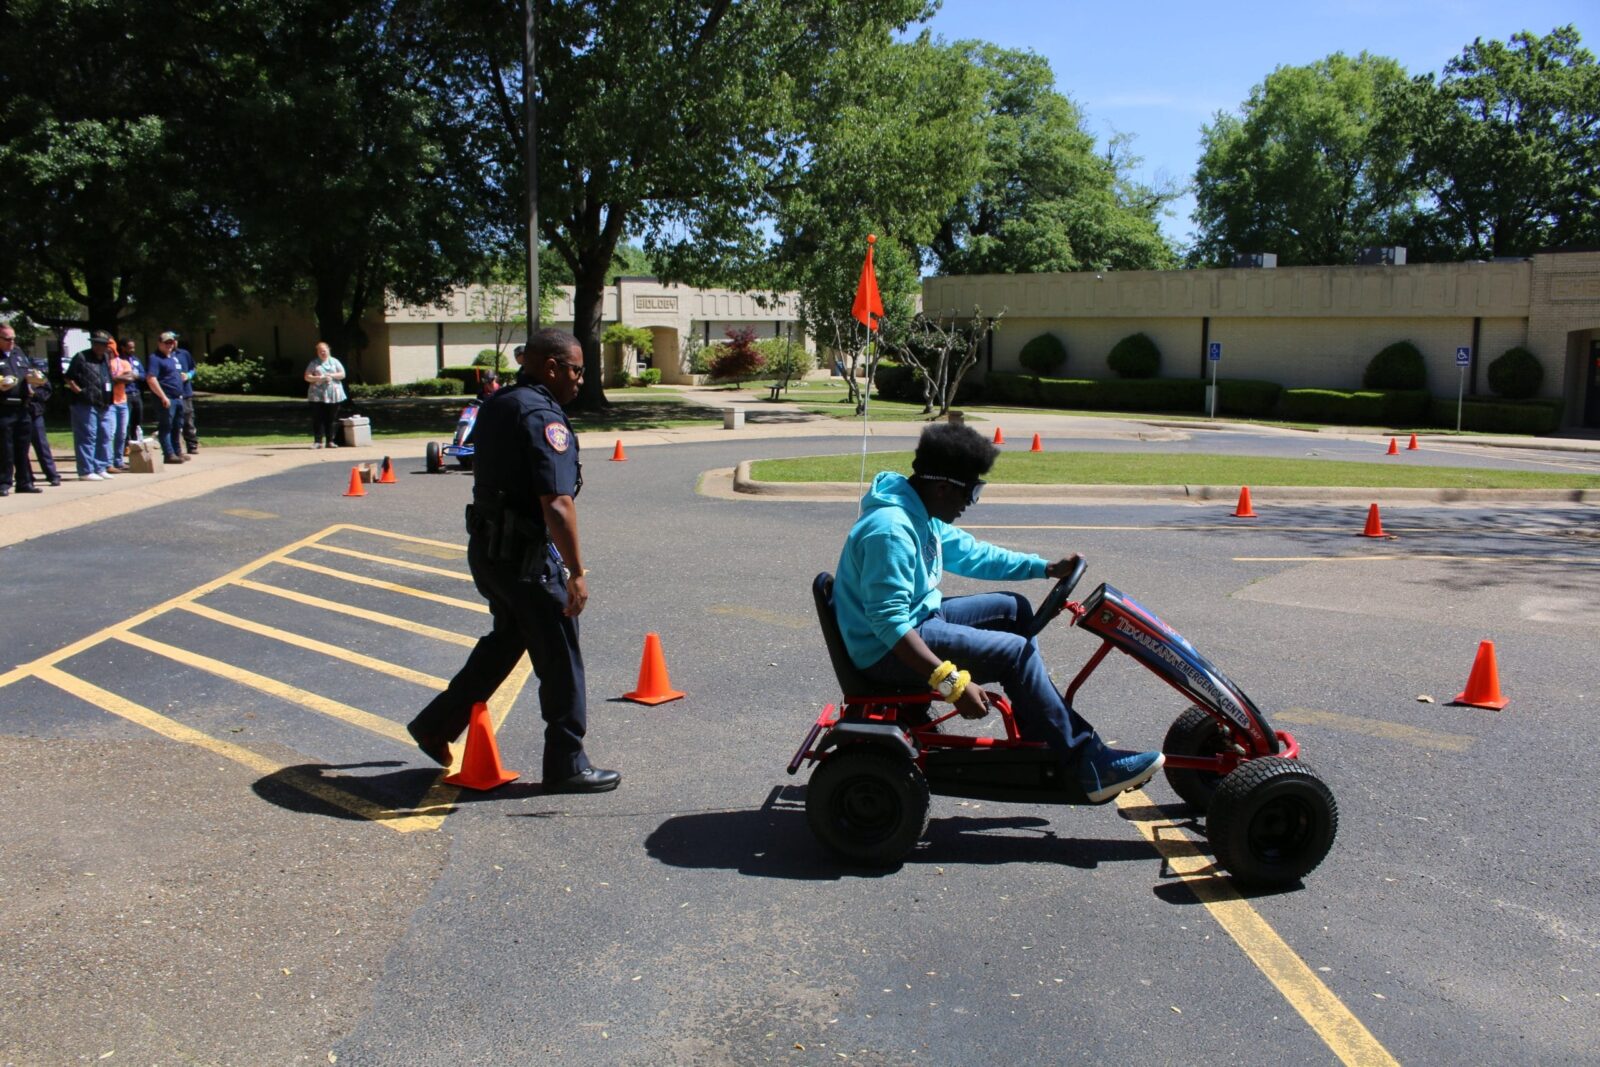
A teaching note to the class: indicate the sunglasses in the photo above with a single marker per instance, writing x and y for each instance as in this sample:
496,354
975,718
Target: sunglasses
973,489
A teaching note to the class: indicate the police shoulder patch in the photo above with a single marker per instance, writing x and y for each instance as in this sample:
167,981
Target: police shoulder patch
558,435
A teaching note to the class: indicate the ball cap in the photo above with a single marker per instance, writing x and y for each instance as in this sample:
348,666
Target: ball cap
168,336
100,337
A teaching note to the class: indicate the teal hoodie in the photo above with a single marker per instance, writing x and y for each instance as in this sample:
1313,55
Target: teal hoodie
887,581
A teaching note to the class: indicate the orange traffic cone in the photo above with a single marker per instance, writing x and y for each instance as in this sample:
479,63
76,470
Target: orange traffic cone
1483,684
1413,446
1038,446
617,454
654,687
386,473
999,438
480,764
355,483
1394,448
1374,524
1244,511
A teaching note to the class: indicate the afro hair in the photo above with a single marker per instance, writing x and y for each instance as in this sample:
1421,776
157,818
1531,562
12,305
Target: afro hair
952,451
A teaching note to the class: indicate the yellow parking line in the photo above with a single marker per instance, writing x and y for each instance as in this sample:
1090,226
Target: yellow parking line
422,629
262,765
391,562
375,583
1335,1024
371,663
272,687
1388,731
68,651
393,536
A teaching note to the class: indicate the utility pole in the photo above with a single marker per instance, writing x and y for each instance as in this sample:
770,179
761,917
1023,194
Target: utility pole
530,107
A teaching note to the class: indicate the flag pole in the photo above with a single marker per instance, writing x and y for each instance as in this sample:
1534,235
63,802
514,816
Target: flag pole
867,304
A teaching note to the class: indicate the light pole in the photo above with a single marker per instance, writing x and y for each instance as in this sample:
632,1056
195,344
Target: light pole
530,107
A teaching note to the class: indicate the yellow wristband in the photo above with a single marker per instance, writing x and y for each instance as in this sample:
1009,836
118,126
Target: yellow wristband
940,673
961,680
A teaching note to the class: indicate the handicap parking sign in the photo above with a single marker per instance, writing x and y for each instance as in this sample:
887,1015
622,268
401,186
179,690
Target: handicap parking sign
1463,356
1214,352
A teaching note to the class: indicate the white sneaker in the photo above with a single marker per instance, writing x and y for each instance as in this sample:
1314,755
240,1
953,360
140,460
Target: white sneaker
316,444
90,478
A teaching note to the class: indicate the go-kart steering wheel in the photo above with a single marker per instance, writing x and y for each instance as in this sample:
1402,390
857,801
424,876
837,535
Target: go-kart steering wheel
1056,599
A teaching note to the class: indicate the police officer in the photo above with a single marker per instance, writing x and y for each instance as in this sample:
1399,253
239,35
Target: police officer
522,548
15,424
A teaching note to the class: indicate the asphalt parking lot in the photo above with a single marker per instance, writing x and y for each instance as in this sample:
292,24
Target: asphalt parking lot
223,850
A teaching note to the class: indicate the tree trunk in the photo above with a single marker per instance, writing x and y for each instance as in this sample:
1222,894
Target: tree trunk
102,305
330,312
587,307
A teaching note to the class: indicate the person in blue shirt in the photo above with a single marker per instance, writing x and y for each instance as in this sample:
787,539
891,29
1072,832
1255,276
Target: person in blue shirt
164,379
899,628
191,437
130,352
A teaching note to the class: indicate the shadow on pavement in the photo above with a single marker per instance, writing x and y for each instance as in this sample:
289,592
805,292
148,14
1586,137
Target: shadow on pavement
400,791
773,841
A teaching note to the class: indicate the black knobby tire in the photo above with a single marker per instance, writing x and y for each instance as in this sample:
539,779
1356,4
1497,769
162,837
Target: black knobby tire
867,805
435,462
1272,821
1194,733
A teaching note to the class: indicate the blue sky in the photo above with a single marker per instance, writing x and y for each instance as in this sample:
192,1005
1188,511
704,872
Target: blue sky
1159,70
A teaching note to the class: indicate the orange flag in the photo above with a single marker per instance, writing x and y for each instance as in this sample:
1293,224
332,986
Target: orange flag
868,302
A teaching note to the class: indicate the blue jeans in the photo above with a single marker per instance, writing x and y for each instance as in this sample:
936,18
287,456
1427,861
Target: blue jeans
91,438
119,434
169,432
982,634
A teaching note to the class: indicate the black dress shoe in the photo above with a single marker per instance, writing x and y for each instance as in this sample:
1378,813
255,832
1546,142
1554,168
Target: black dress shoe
5,490
592,780
30,489
435,748
56,482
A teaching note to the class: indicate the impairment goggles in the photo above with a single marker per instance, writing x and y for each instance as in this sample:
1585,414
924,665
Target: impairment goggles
974,489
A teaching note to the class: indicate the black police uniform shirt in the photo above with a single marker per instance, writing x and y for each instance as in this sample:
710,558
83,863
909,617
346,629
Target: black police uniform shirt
14,364
524,447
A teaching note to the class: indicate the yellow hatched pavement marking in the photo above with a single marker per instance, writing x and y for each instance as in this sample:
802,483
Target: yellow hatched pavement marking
272,687
375,583
390,561
322,789
66,652
393,536
393,670
448,636
1335,1024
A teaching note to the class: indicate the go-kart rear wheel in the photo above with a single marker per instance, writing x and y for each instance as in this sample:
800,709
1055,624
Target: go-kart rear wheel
435,458
868,806
1194,733
1272,821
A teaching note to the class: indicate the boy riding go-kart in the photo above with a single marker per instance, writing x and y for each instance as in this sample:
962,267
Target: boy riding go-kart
897,646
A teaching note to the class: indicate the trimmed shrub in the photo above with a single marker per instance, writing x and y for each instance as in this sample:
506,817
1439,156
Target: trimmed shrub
1248,397
737,359
1135,356
234,376
494,360
1371,407
1516,375
396,390
785,361
1499,416
650,376
467,376
1399,366
1001,388
1043,355
895,381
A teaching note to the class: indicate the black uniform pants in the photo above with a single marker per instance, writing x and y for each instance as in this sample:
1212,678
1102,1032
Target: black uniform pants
15,428
191,438
41,447
527,618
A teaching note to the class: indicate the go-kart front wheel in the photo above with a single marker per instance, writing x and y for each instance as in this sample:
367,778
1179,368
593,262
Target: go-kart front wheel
868,806
435,458
1194,733
1271,822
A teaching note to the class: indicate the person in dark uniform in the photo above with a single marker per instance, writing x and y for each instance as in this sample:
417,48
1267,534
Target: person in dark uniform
15,424
522,549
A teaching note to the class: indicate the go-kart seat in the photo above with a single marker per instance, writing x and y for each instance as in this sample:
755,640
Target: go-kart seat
851,680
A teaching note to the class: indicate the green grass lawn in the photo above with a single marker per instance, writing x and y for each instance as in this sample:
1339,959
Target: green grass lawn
1096,468
276,420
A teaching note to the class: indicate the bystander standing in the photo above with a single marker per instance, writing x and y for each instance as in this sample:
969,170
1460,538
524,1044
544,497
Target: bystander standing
164,378
89,381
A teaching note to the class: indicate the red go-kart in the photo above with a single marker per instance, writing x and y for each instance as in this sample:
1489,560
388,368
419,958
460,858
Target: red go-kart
879,754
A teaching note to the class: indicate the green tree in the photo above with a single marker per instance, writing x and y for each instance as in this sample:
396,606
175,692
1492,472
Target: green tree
1507,145
339,161
1313,169
102,209
1043,198
676,123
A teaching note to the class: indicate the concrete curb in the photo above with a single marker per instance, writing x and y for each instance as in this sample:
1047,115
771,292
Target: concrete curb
1308,494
